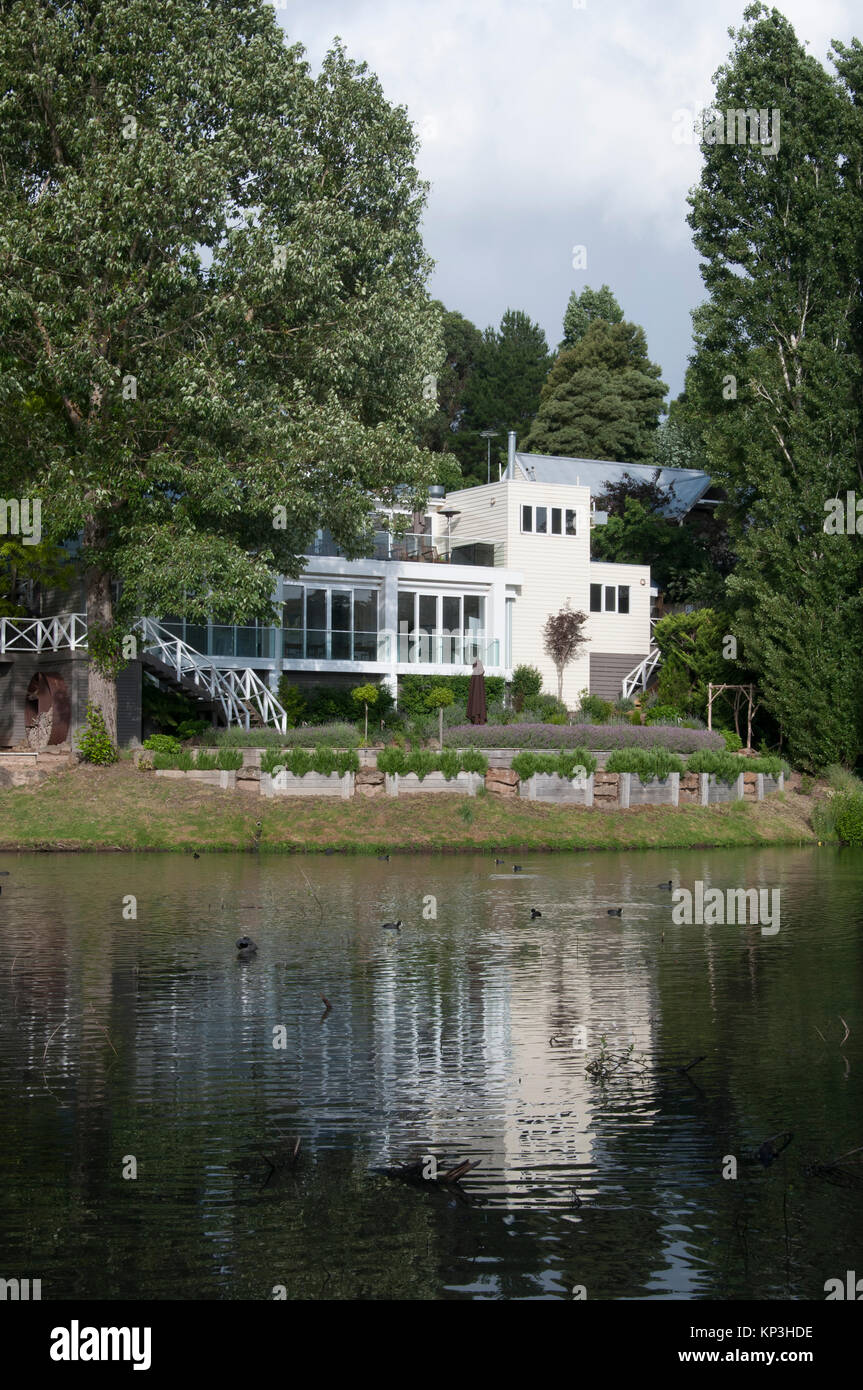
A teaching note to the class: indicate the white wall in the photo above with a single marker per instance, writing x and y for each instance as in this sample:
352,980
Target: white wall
556,570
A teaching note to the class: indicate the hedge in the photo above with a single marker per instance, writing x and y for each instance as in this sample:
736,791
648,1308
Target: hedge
602,736
413,690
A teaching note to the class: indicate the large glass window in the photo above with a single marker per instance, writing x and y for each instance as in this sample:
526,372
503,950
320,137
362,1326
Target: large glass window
609,598
365,625
555,521
340,624
596,598
316,624
571,521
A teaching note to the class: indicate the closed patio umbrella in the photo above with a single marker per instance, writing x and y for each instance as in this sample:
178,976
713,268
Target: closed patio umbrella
477,712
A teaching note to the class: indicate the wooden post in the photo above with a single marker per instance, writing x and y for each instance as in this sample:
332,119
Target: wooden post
749,723
710,705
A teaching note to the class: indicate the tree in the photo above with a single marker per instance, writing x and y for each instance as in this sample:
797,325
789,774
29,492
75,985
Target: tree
562,638
213,278
365,695
602,398
775,379
44,565
462,344
502,392
583,309
439,697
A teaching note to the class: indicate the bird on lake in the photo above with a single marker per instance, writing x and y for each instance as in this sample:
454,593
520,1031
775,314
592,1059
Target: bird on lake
664,885
392,926
516,868
534,913
615,911
500,861
384,857
246,947
196,855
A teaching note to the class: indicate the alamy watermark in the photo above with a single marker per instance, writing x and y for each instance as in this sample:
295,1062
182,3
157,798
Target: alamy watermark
735,126
734,907
21,517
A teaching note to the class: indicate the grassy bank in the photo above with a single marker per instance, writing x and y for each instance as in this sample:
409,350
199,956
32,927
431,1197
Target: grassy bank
118,808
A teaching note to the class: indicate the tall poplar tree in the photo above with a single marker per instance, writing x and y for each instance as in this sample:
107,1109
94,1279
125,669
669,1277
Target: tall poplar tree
776,377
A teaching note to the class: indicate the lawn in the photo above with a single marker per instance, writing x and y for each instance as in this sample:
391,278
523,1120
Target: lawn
119,808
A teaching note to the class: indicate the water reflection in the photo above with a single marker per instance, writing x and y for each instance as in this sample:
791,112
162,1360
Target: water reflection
143,1036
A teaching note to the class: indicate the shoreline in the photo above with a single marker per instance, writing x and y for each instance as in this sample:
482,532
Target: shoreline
118,810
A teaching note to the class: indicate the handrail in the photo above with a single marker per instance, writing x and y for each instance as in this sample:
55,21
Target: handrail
638,677
234,690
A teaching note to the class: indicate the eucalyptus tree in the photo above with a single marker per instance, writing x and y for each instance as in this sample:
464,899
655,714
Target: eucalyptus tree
217,333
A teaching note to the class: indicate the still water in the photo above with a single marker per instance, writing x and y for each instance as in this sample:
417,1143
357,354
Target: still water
140,1044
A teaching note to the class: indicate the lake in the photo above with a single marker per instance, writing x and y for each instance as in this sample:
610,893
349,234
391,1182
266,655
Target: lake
149,1121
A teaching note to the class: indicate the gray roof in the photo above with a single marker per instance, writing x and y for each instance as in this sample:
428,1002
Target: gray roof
689,484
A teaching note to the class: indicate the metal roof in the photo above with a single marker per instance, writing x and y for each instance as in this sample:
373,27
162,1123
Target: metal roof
689,484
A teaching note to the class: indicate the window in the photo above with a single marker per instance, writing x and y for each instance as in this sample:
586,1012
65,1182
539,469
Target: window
550,521
327,624
445,628
609,598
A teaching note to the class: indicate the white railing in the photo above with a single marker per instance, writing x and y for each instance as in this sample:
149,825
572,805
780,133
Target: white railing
640,674
237,692
43,634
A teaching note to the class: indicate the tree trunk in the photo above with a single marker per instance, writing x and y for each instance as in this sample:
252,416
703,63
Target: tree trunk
101,689
560,684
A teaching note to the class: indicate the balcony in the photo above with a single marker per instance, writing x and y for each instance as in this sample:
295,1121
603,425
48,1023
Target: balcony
413,545
274,644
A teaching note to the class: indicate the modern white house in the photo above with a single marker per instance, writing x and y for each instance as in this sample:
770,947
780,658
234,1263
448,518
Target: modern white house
477,576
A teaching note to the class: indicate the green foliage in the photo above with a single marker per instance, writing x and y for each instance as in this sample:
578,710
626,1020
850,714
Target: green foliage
594,710
365,694
169,709
298,761
94,741
45,565
439,697
292,700
782,324
502,391
602,398
662,714
564,763
848,818
422,761
563,636
192,728
250,261
548,707
584,309
646,763
526,684
162,743
413,690
733,741
722,765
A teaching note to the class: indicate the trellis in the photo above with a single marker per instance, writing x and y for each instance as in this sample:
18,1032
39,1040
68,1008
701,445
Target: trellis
741,693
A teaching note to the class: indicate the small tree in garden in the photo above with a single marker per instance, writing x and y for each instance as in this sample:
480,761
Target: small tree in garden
94,741
365,695
562,637
526,682
438,698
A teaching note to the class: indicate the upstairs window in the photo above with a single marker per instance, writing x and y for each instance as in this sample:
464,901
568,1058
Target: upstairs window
550,521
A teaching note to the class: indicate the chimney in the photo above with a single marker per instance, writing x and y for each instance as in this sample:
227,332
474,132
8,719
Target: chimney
510,454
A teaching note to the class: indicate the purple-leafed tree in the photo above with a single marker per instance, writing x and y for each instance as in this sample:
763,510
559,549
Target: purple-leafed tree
562,637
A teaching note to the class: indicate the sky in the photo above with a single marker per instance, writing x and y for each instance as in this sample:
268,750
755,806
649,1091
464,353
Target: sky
548,125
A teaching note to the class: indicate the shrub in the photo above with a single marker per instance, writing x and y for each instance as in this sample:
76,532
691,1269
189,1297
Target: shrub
422,761
662,714
595,710
733,741
848,817
162,743
94,742
292,700
525,735
548,707
206,761
646,763
192,728
563,763
229,760
298,761
474,761
526,683
723,765
413,690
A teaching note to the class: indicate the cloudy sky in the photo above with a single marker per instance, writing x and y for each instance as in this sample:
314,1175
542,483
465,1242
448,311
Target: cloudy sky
548,124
